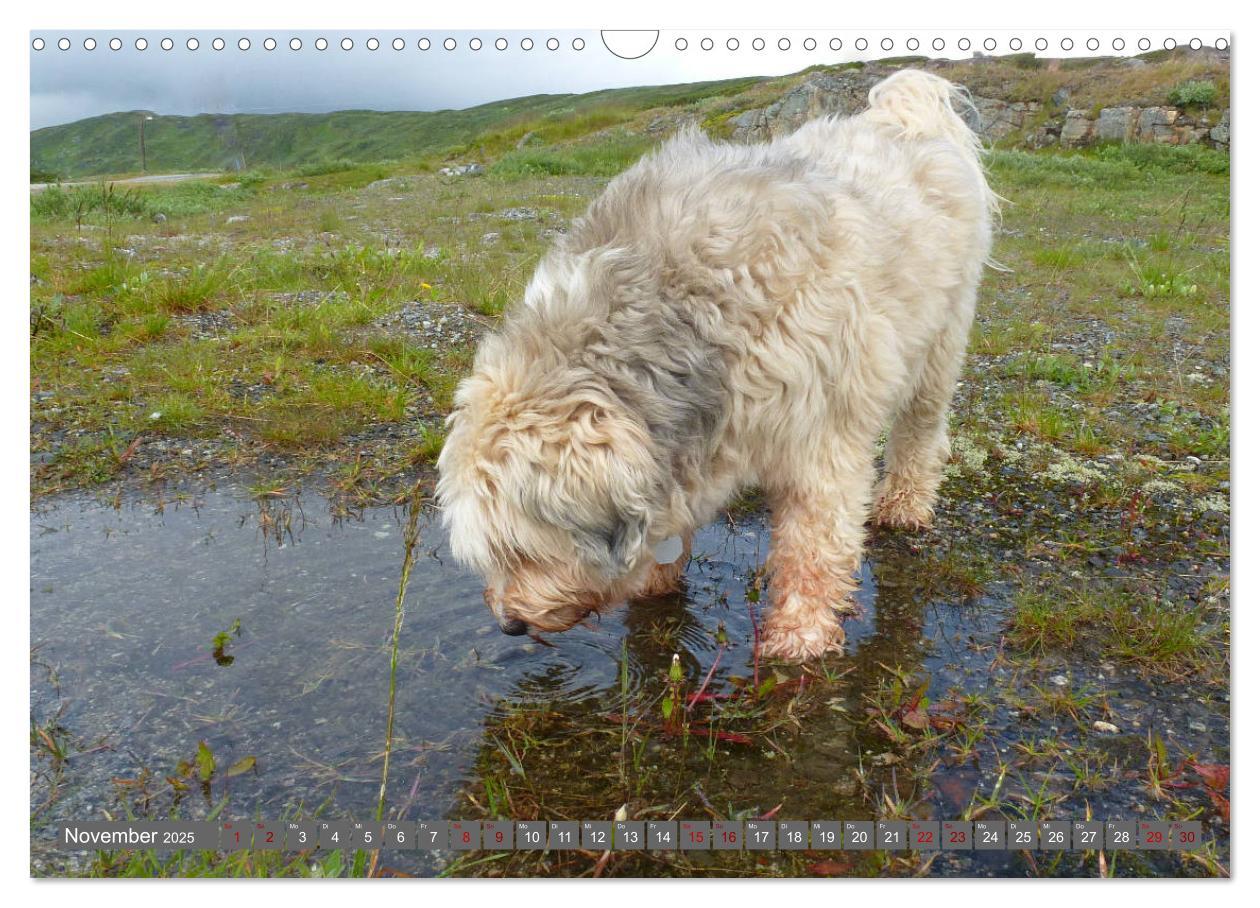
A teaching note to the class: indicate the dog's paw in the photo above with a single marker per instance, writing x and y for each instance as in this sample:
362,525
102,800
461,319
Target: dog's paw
798,633
661,580
903,509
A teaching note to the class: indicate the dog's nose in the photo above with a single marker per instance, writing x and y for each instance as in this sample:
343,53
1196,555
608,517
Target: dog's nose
513,627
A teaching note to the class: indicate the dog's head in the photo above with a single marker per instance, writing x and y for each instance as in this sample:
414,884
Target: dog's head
548,486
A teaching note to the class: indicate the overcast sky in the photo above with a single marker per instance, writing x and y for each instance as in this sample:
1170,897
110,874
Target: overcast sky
71,84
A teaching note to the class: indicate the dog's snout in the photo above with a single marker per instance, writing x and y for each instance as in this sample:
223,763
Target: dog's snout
513,627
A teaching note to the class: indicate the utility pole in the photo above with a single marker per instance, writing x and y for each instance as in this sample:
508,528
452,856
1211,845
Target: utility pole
144,164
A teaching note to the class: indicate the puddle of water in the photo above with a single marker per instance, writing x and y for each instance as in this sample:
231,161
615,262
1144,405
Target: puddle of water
126,603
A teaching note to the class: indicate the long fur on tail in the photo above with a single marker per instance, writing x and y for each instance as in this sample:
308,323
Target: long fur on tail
921,106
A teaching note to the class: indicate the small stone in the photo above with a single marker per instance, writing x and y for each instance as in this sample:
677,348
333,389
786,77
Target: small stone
238,219
1106,728
1059,681
1197,727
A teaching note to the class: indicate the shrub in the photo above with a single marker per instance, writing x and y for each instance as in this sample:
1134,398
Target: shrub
1193,94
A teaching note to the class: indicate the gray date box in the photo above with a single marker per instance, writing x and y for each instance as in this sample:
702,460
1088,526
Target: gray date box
694,835
859,835
662,835
1185,835
563,835
1021,835
1056,835
989,835
1152,835
629,835
399,834
1121,835
531,835
728,835
956,835
301,835
826,835
793,835
890,835
496,835
759,835
432,835
597,835
1088,835
924,835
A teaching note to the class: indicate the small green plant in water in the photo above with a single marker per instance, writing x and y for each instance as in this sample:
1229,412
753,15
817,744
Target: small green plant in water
222,640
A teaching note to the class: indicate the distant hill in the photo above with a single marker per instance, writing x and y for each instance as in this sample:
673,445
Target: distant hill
1050,91
111,144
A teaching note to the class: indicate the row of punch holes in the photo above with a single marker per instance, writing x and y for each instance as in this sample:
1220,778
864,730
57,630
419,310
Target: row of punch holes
680,44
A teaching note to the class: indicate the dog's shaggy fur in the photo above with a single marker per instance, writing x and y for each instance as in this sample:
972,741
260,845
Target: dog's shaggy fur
721,316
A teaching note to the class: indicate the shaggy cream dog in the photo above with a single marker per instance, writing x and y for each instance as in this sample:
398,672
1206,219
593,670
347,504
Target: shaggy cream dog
724,316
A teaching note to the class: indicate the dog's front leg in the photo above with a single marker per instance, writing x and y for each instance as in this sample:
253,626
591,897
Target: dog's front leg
815,552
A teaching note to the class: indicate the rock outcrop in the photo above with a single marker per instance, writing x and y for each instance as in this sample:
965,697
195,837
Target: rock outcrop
1028,123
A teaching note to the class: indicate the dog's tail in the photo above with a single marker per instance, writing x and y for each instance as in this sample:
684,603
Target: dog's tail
919,105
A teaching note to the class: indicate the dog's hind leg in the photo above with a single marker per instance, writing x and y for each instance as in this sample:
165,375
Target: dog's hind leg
815,553
918,443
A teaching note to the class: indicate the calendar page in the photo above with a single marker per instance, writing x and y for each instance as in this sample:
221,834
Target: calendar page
706,452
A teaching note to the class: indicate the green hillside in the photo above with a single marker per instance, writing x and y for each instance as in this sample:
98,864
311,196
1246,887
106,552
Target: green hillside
110,144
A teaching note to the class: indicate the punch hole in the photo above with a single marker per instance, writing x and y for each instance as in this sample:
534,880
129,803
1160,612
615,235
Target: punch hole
835,44
964,44
990,44
809,44
242,44
706,44
321,44
38,44
860,44
450,44
269,44
295,44
912,44
167,44
1222,43
579,44
424,44
1066,44
784,44
732,44
1117,44
1195,44
192,44
1092,44
143,44
1170,44
553,44
1016,44
1144,43
886,44
346,44
759,44
1041,44
373,44
631,44
474,44
116,43
500,44
526,43
64,44
89,44
217,44
938,44
680,44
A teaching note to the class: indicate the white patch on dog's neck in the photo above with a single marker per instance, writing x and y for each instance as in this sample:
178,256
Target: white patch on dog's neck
668,550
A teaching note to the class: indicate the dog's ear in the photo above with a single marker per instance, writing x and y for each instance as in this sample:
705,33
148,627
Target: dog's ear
612,549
